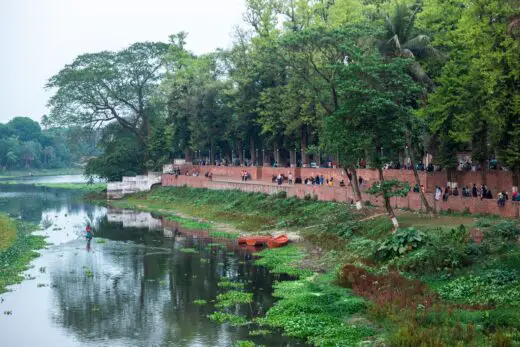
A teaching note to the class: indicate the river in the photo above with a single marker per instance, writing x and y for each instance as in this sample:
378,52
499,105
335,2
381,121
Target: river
135,289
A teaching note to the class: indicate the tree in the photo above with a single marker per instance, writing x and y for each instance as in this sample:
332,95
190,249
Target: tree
402,40
24,128
98,88
121,155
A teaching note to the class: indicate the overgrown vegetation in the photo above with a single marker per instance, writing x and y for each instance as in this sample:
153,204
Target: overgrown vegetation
17,249
250,211
436,283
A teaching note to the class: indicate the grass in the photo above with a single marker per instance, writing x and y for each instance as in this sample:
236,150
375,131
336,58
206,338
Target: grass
8,232
189,223
253,212
41,172
17,251
284,261
84,187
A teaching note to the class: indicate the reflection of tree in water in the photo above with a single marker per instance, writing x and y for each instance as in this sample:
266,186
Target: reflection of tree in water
30,202
149,290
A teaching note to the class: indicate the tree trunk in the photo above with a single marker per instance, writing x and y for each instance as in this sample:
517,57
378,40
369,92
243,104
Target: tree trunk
516,179
252,150
355,187
211,155
429,210
388,206
292,154
483,172
240,152
305,140
187,155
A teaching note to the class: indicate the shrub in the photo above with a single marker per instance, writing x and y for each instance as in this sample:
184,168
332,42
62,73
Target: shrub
506,229
282,194
400,242
492,288
446,249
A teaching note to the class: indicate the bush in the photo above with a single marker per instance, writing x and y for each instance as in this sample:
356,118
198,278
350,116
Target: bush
282,194
492,288
445,250
506,229
400,242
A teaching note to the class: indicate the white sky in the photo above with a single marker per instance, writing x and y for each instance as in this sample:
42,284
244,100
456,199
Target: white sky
38,37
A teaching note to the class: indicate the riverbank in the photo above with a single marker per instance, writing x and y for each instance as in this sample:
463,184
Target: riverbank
435,282
41,172
17,248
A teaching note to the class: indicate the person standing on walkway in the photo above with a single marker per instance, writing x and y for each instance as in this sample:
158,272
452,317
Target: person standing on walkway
290,177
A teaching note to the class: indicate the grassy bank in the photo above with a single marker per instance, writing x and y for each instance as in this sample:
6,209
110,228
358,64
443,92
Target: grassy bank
449,281
17,249
84,187
252,212
41,172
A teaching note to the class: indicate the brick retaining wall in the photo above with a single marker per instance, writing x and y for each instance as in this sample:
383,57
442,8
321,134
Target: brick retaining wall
412,201
496,180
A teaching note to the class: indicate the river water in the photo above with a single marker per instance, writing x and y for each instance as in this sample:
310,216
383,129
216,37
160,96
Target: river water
136,289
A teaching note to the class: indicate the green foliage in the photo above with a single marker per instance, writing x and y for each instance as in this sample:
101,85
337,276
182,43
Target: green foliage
23,145
445,250
496,287
190,223
223,317
232,298
188,250
389,188
200,302
259,332
15,254
317,310
249,211
400,242
283,260
223,234
228,284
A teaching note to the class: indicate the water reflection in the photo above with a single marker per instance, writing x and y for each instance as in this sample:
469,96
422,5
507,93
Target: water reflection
137,289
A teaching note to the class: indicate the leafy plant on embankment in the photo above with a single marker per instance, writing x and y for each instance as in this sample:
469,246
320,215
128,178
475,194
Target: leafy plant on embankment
16,252
249,211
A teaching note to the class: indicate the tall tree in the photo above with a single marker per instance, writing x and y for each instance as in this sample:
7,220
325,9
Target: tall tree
98,88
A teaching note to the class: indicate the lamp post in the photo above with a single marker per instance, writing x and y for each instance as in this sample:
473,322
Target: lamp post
210,156
244,157
256,156
263,156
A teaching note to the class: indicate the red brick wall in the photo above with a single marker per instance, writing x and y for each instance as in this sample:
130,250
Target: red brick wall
412,201
496,180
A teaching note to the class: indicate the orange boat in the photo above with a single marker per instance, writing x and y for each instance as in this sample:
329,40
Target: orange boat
278,241
254,240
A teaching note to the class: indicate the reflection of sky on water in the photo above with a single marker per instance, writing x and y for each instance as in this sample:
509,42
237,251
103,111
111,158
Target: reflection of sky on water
142,287
52,179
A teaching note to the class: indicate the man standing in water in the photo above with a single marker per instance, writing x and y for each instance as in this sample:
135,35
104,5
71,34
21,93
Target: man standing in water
89,235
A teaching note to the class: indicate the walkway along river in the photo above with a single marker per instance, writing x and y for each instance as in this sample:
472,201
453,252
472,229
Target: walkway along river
133,287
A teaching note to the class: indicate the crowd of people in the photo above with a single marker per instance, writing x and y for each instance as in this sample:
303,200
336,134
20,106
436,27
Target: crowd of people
482,192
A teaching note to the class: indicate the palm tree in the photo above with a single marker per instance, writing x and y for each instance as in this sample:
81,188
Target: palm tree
402,40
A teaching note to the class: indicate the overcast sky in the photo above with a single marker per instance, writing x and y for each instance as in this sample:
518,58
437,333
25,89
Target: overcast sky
38,37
